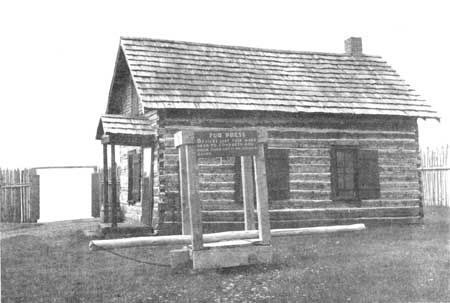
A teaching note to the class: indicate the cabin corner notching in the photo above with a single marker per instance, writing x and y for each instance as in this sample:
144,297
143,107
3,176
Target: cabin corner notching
341,130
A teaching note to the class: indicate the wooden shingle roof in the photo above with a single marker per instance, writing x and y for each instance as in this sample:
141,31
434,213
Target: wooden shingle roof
120,125
171,74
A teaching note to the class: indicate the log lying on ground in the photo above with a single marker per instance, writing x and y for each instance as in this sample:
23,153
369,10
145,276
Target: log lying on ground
216,237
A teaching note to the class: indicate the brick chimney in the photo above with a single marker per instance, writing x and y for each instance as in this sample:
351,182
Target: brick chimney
353,46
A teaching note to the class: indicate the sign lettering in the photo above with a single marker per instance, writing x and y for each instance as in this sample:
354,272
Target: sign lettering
226,143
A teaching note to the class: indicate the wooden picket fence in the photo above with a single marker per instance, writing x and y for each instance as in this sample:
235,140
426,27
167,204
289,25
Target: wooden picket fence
19,195
436,176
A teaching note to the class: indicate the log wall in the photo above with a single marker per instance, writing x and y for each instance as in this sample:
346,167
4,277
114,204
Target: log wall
309,139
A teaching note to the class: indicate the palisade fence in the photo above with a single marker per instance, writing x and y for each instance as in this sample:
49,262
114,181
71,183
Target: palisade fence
436,176
19,196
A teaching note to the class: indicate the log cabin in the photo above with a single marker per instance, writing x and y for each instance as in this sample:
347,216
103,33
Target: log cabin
342,133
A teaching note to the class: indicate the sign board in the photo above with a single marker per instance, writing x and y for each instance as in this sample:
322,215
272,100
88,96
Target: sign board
226,143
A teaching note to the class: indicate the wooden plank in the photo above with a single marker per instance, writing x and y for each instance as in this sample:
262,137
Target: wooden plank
145,200
114,201
151,185
2,197
66,167
317,213
216,237
248,192
105,185
262,203
95,195
194,198
17,200
184,191
18,185
129,140
35,197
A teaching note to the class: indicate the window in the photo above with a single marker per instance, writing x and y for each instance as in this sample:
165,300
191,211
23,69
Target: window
277,172
354,173
134,177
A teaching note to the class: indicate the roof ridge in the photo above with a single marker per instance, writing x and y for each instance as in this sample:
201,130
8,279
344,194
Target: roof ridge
237,47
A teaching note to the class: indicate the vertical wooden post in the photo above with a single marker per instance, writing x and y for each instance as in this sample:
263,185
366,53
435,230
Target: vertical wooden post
113,187
95,195
34,197
184,201
151,180
193,197
147,189
2,199
419,171
141,174
144,190
248,192
105,184
262,203
145,201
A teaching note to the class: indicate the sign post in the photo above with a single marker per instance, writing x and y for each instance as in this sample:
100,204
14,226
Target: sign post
244,143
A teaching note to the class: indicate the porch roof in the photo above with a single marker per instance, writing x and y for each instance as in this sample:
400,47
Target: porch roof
122,130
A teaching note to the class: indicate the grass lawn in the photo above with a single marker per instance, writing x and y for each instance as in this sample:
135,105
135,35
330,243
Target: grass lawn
51,263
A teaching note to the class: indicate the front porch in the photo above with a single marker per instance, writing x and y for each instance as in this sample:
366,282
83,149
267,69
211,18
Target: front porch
113,131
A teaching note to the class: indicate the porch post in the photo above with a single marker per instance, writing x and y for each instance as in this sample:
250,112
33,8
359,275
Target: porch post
105,184
113,187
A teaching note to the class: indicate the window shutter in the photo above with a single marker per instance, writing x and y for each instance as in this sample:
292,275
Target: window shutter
277,167
136,188
130,177
368,174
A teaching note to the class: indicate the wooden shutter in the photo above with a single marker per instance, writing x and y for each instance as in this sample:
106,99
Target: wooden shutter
136,177
130,177
277,169
344,173
368,174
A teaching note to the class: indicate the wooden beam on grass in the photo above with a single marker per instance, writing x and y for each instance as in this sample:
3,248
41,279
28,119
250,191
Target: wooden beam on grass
217,237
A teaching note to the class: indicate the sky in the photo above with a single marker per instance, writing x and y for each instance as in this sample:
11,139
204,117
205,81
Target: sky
57,57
